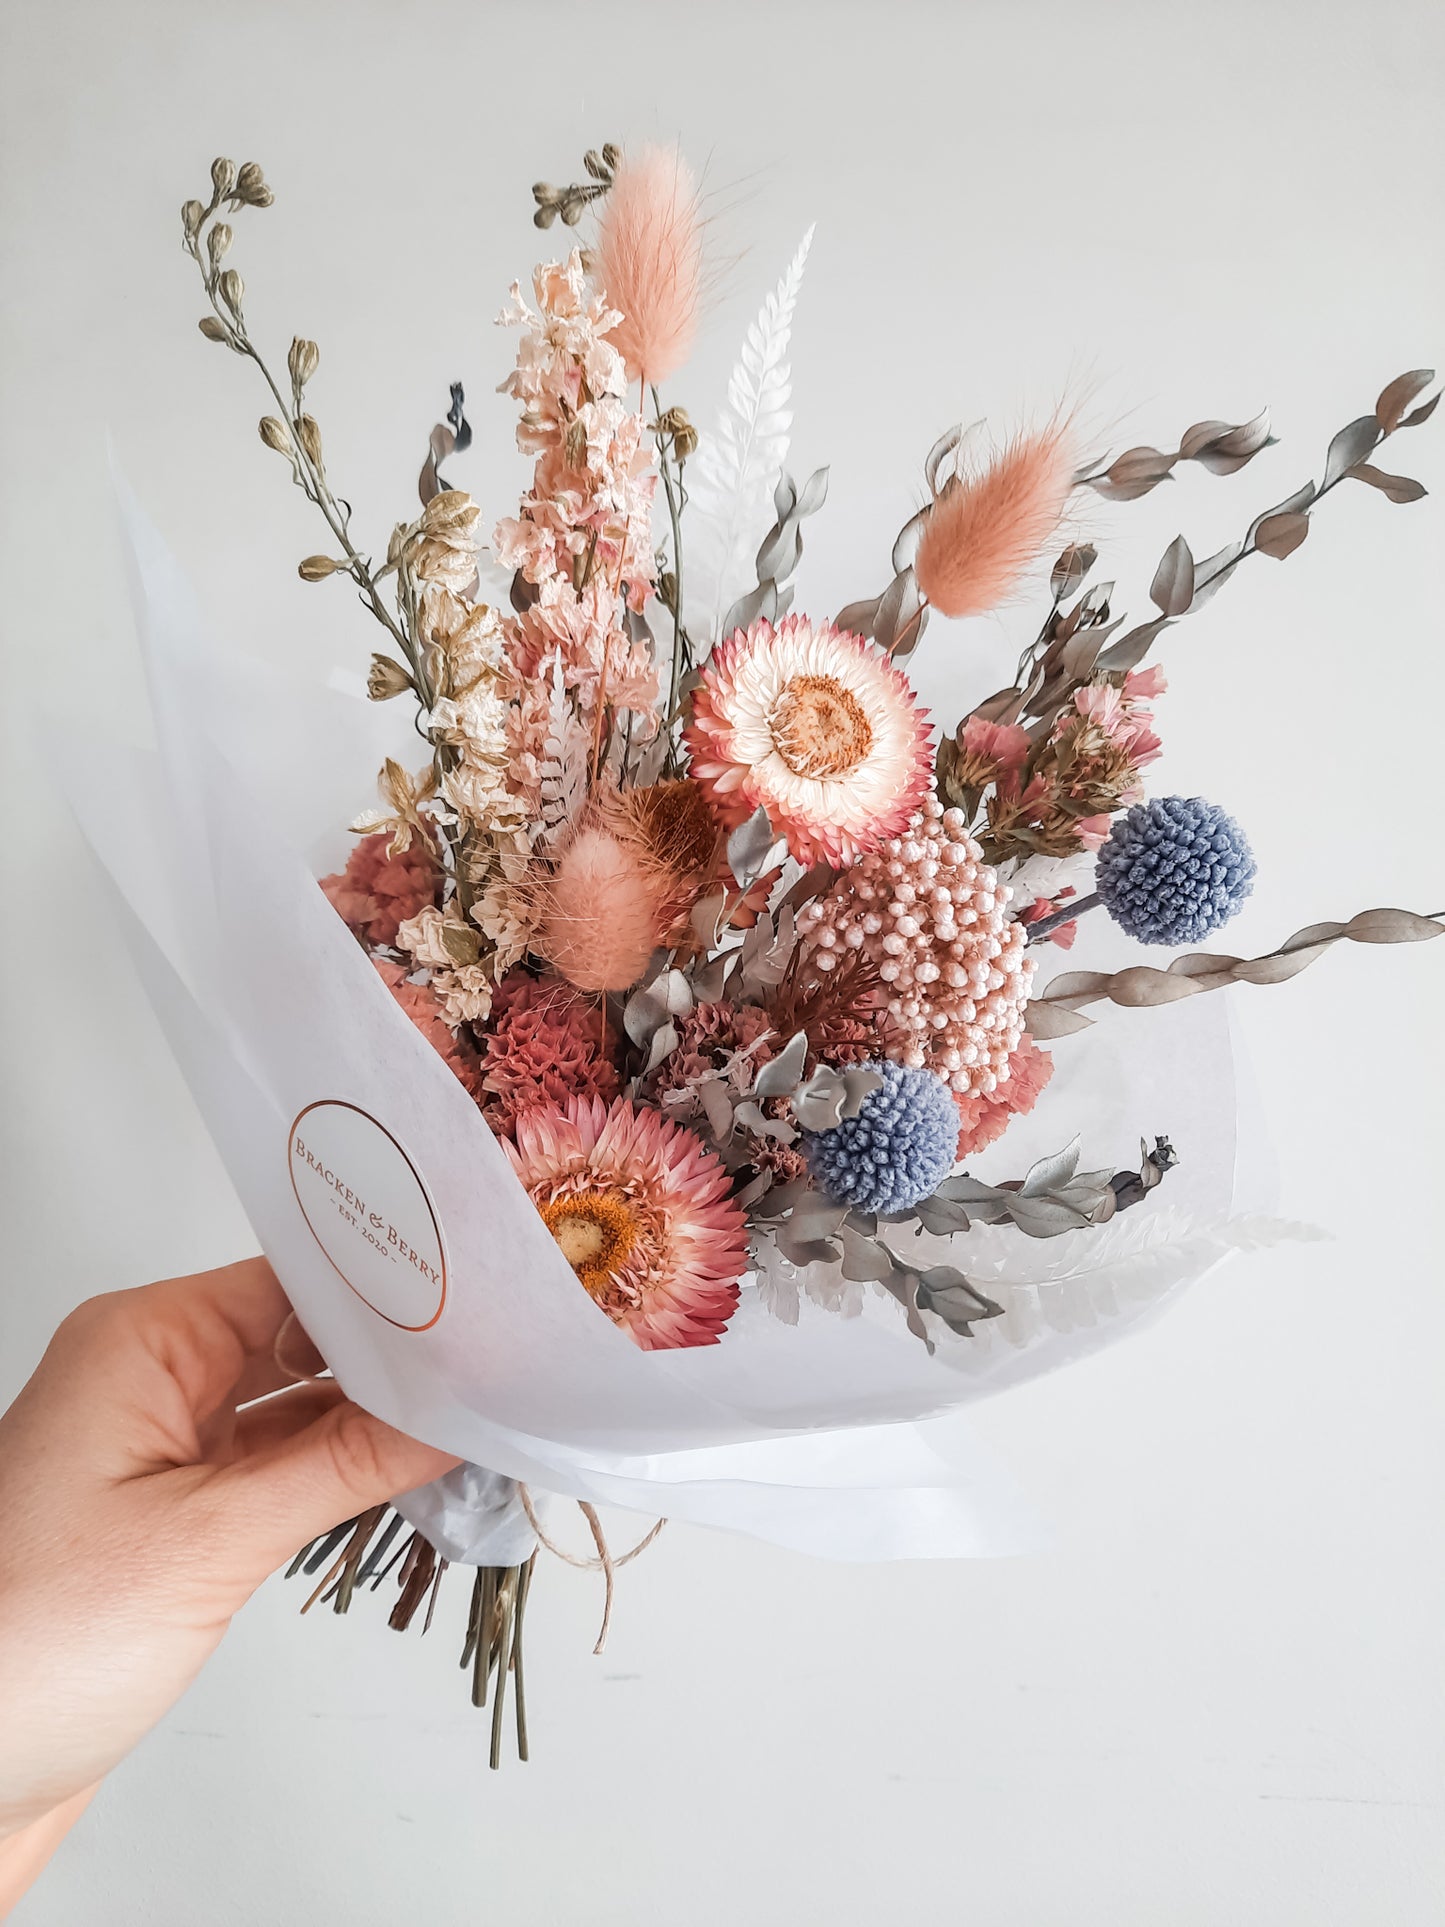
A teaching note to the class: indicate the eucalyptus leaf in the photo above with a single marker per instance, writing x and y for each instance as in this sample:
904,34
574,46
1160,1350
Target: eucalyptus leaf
752,849
1130,650
1397,395
1281,535
1071,569
1051,1171
1351,445
1396,488
1172,589
780,1076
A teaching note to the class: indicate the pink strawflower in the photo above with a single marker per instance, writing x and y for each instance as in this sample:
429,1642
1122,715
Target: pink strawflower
1002,746
1119,713
649,260
642,1212
423,1007
984,1119
1142,685
817,727
377,892
934,917
544,1044
985,528
1092,831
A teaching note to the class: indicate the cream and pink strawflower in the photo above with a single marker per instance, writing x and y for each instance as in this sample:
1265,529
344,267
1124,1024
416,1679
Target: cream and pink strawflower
642,1212
649,260
818,728
988,525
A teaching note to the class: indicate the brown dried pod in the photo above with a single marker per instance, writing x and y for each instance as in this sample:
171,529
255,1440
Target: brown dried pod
213,329
308,433
251,186
232,289
386,677
192,214
302,361
223,178
316,568
218,243
275,434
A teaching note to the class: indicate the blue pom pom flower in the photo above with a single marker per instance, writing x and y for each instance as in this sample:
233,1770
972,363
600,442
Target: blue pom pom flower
898,1148
1174,869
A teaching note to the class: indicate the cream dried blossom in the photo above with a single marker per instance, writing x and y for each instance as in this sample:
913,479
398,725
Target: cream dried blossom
508,911
402,798
441,548
472,715
438,939
465,994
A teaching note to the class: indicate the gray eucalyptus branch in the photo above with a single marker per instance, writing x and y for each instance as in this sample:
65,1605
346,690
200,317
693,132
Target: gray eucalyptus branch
1055,1011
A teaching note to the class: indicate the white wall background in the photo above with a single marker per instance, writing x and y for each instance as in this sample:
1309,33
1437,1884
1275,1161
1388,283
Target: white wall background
1217,1698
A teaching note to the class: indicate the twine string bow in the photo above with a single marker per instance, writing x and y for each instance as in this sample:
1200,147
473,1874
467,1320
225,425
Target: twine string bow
604,1560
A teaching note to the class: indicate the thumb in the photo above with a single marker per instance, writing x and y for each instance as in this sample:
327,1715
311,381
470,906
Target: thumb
344,1462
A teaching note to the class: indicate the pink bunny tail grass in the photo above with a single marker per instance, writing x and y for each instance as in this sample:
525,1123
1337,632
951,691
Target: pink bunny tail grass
649,260
985,529
624,884
599,924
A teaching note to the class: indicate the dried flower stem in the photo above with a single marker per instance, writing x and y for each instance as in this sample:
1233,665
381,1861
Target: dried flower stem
676,502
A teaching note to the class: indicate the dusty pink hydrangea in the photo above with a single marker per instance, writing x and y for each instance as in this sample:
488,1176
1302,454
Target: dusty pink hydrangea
377,892
933,916
424,1008
982,1120
544,1044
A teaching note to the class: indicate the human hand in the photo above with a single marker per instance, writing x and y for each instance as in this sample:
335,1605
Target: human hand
141,1509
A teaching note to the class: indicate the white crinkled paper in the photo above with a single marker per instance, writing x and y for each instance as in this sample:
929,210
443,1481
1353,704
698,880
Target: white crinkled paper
834,1435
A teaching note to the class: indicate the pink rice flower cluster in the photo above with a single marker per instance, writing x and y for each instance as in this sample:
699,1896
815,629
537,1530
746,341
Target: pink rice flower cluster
543,1045
583,536
425,1010
377,892
982,1120
933,916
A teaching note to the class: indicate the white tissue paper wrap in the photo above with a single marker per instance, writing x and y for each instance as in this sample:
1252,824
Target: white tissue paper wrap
436,1293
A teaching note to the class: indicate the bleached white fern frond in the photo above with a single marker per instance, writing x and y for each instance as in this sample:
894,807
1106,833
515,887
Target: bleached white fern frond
732,476
564,759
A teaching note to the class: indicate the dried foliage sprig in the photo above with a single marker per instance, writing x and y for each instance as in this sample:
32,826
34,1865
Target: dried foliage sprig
295,434
1055,1011
741,462
803,1228
1080,644
572,202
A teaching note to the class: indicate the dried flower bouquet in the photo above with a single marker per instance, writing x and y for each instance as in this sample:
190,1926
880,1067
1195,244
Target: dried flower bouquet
738,955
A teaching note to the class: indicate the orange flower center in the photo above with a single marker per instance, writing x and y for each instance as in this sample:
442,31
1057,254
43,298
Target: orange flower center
596,1234
820,728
